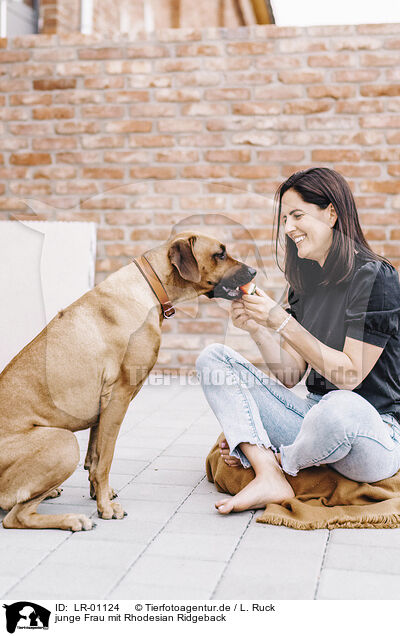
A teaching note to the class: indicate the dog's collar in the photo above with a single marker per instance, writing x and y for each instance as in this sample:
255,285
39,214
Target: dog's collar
156,285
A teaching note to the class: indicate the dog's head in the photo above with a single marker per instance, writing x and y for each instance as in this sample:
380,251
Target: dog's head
204,262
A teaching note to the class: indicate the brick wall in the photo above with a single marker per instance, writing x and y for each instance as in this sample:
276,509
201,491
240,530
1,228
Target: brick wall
140,135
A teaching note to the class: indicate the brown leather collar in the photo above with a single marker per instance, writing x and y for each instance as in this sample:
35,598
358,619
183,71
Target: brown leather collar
156,285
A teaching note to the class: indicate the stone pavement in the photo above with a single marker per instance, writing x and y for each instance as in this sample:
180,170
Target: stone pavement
173,544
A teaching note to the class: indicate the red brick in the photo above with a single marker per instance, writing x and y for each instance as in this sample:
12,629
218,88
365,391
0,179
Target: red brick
104,203
128,156
153,172
104,82
53,84
382,154
89,156
146,50
221,94
80,69
77,97
254,172
228,156
177,156
76,186
127,96
55,172
77,127
202,140
199,50
389,187
54,143
204,172
300,77
205,110
30,189
127,126
202,203
394,170
381,121
249,48
182,95
256,108
106,172
111,141
380,60
177,65
380,90
305,107
179,125
201,326
152,110
93,53
26,99
338,154
148,202
151,141
13,56
360,106
358,171
277,61
103,112
129,218
30,158
280,155
157,234
89,217
9,114
109,234
53,112
334,91
12,203
357,75
8,86
278,92
338,59
124,67
393,138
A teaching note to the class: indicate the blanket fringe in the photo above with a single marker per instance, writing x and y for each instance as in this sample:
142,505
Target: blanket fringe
370,521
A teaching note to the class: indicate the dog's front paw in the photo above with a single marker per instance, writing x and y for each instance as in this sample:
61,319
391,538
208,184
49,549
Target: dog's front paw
112,511
111,492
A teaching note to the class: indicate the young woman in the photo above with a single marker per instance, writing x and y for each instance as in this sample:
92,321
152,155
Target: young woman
343,322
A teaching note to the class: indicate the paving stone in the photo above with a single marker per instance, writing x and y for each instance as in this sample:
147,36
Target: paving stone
261,535
271,574
190,546
200,503
158,511
27,539
350,585
184,450
178,477
179,463
356,558
15,562
127,467
128,590
77,581
7,582
155,492
174,572
387,537
116,555
120,530
209,524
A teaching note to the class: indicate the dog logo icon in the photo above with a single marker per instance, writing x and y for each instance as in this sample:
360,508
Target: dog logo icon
26,615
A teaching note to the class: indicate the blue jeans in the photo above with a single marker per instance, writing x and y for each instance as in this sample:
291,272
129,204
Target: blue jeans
340,428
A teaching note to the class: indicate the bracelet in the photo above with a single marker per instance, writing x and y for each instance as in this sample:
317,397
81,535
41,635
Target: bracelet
283,325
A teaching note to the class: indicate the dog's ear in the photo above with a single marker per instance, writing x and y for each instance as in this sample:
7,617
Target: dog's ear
181,255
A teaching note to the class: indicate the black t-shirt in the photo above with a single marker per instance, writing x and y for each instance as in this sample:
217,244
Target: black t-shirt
366,308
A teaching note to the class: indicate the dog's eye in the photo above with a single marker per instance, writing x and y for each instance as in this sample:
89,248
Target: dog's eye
220,255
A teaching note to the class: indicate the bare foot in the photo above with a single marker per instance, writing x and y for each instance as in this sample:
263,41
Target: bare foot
262,490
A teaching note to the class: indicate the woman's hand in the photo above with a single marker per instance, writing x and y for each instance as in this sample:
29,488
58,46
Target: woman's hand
241,319
224,451
258,306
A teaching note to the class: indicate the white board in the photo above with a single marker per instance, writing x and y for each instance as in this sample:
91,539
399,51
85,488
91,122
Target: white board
44,267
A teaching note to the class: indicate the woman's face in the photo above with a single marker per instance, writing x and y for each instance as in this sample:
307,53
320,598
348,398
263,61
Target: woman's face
308,226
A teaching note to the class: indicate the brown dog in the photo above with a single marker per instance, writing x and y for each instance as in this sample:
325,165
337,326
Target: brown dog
83,370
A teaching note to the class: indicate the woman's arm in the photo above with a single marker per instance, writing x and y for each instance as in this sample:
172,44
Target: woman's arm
287,365
284,362
345,369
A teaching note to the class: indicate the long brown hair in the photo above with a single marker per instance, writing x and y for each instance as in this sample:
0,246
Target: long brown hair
322,186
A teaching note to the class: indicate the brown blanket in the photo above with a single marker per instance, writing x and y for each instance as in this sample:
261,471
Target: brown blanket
324,498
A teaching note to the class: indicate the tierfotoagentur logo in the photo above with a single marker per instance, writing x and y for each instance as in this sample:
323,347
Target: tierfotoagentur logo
26,615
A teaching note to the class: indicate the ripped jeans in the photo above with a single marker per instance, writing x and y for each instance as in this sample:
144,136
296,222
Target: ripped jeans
340,428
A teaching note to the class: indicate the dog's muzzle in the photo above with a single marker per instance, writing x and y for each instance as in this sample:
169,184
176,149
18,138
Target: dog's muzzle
228,286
